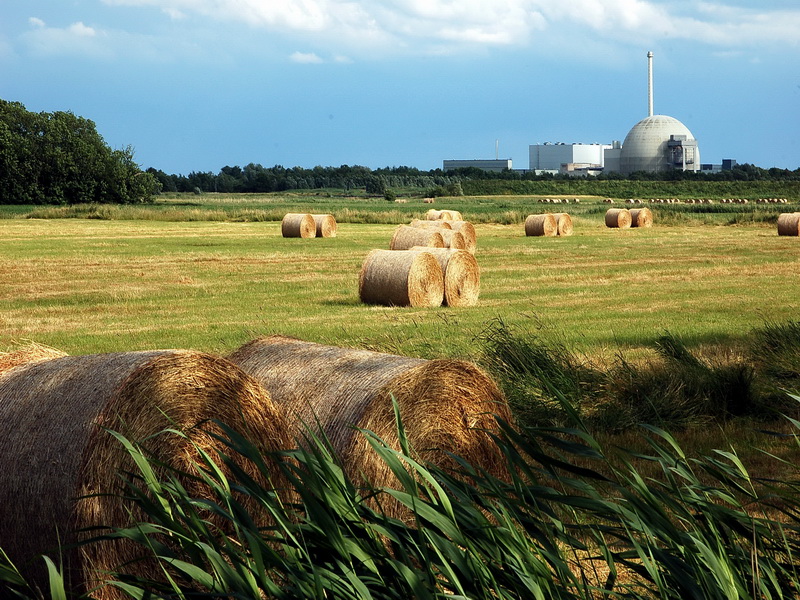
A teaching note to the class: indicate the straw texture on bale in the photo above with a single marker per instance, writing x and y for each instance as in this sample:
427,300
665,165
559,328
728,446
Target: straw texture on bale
401,278
641,217
30,353
453,239
59,467
406,237
326,225
538,225
789,224
563,223
445,405
462,277
618,217
298,225
431,224
466,229
443,215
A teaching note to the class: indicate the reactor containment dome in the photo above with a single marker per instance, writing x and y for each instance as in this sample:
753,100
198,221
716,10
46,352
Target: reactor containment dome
659,143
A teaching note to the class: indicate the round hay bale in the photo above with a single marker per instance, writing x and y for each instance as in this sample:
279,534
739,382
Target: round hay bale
618,217
27,354
300,225
453,239
446,406
401,278
406,237
789,224
431,224
443,215
563,223
466,229
541,225
462,277
325,225
428,201
641,217
59,466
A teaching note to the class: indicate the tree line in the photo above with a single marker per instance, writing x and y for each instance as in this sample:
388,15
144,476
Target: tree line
60,158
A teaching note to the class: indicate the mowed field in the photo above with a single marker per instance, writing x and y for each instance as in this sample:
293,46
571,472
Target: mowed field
88,286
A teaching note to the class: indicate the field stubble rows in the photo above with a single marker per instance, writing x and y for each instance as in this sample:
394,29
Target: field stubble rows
87,286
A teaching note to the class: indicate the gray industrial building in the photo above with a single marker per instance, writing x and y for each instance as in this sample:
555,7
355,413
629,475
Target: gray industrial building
497,164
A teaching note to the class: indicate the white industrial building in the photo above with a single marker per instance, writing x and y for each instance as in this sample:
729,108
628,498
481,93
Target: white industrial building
566,157
656,143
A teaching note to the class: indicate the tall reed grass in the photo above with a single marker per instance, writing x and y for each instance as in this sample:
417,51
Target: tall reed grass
564,522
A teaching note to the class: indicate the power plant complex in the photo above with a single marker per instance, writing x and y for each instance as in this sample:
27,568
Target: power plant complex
657,143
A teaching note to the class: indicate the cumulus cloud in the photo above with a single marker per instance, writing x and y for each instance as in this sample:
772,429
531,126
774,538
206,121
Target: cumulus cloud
77,38
36,22
305,58
402,26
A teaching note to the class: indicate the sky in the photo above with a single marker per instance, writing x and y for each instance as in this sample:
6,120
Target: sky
196,85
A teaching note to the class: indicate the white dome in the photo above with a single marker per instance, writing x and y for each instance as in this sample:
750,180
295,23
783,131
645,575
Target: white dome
646,146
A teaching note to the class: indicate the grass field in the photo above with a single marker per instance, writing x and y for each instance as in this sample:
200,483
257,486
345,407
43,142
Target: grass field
97,285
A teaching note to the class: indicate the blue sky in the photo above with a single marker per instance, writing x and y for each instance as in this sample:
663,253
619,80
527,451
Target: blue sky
194,85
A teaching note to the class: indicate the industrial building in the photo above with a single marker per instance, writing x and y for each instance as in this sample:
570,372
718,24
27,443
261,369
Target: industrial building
657,143
483,164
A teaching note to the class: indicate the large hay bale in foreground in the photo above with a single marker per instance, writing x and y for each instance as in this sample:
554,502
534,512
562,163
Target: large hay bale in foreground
59,467
401,278
618,218
466,229
445,405
406,237
325,225
431,224
27,354
538,225
298,225
789,224
563,224
462,277
641,217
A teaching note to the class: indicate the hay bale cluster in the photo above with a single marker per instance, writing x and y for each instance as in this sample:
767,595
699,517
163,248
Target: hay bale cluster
405,275
60,467
548,224
306,225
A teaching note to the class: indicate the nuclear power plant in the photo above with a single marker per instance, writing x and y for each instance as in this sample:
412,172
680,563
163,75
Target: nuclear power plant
657,143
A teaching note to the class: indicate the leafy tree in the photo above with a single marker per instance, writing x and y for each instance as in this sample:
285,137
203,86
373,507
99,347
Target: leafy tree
59,158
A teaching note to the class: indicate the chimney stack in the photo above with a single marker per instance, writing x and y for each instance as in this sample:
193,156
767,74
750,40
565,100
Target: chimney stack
649,84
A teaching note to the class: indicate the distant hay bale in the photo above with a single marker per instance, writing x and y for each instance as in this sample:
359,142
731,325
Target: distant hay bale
406,237
325,225
563,223
466,229
30,353
538,225
618,217
446,406
428,200
300,225
462,277
789,224
453,239
431,224
443,215
401,278
59,467
641,217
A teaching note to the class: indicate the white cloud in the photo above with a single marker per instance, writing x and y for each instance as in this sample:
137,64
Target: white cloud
305,58
76,38
374,27
82,30
36,22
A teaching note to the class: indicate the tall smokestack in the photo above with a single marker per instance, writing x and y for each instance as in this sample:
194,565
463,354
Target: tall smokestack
649,84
